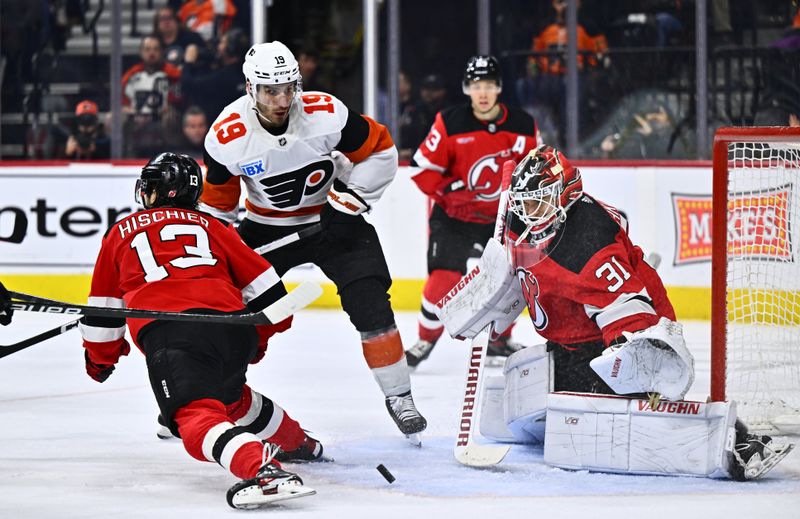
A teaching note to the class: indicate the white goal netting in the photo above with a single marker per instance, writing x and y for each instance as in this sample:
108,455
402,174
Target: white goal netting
762,347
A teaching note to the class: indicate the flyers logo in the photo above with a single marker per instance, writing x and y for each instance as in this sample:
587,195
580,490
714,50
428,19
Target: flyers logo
530,291
287,190
484,178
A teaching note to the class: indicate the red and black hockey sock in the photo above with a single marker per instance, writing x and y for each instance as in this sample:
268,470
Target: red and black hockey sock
261,416
439,282
209,435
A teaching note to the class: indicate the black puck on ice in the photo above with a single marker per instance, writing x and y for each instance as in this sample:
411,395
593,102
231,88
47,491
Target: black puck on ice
385,473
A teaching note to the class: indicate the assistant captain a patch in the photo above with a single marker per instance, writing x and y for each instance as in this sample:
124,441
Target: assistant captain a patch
252,168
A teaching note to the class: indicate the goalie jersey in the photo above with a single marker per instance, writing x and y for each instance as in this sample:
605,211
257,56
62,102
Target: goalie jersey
288,175
593,283
461,147
171,259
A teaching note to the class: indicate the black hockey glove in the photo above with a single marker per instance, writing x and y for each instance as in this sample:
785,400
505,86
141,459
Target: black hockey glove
6,311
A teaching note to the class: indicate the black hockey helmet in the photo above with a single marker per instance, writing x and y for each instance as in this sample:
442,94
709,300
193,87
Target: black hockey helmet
176,180
482,67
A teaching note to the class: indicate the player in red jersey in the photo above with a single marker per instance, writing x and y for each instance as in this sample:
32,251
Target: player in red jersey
171,257
610,329
460,161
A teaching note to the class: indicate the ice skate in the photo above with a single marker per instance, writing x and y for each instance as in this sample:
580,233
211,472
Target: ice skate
755,456
499,349
271,484
406,416
309,451
419,352
163,431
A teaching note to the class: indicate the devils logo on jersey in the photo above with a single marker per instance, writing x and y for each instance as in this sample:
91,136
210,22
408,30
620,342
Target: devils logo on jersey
484,178
530,291
288,189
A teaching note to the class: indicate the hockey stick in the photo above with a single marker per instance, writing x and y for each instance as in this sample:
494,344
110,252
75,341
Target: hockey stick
305,294
467,450
289,238
8,349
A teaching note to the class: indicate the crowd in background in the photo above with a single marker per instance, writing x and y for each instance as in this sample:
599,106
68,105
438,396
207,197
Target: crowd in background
630,105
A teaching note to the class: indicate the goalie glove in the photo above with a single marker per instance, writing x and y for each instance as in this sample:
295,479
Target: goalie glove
489,293
346,200
651,360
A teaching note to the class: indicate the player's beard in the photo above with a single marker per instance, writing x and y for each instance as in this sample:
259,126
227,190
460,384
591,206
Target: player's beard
263,118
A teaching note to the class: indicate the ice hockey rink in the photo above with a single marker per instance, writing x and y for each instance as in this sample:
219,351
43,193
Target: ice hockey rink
70,447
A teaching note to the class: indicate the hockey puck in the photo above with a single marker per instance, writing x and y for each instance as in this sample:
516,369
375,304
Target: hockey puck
385,473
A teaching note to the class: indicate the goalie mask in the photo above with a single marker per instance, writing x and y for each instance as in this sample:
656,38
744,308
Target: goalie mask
543,187
175,180
273,79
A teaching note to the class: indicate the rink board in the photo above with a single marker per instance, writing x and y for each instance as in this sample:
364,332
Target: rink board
53,216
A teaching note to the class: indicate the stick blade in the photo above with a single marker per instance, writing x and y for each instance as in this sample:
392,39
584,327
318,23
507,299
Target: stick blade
477,455
299,298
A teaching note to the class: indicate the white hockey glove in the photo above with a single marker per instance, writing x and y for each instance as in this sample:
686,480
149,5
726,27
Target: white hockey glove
652,360
488,293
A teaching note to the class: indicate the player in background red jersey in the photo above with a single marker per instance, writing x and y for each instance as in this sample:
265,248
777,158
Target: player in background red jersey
171,257
460,163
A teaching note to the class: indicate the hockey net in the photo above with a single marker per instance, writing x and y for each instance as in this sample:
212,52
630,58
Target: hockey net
755,336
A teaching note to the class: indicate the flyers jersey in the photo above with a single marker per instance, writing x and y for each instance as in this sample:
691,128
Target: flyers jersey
287,176
461,147
173,259
593,284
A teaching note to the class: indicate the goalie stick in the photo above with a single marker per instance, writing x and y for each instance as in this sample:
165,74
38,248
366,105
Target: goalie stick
467,450
300,297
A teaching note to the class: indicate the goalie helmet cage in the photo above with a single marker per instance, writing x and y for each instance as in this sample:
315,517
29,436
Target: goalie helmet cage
755,286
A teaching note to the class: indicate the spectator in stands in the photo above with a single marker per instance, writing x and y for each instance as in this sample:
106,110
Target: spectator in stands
213,89
150,100
308,62
791,38
408,104
209,18
174,37
416,120
544,84
194,129
88,140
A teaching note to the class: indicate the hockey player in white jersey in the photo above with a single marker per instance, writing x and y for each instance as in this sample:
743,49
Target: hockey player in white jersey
311,167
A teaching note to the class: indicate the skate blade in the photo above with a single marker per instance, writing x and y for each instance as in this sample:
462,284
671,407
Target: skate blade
769,463
164,433
252,497
414,439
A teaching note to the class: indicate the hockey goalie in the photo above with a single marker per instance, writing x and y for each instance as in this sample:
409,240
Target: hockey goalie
606,391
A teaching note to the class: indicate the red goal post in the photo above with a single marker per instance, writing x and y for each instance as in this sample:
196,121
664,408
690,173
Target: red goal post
755,285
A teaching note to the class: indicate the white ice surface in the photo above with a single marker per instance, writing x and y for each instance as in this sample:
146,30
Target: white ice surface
70,447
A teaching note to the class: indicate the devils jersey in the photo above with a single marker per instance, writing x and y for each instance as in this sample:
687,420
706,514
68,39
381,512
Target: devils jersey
461,147
172,260
288,176
594,283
